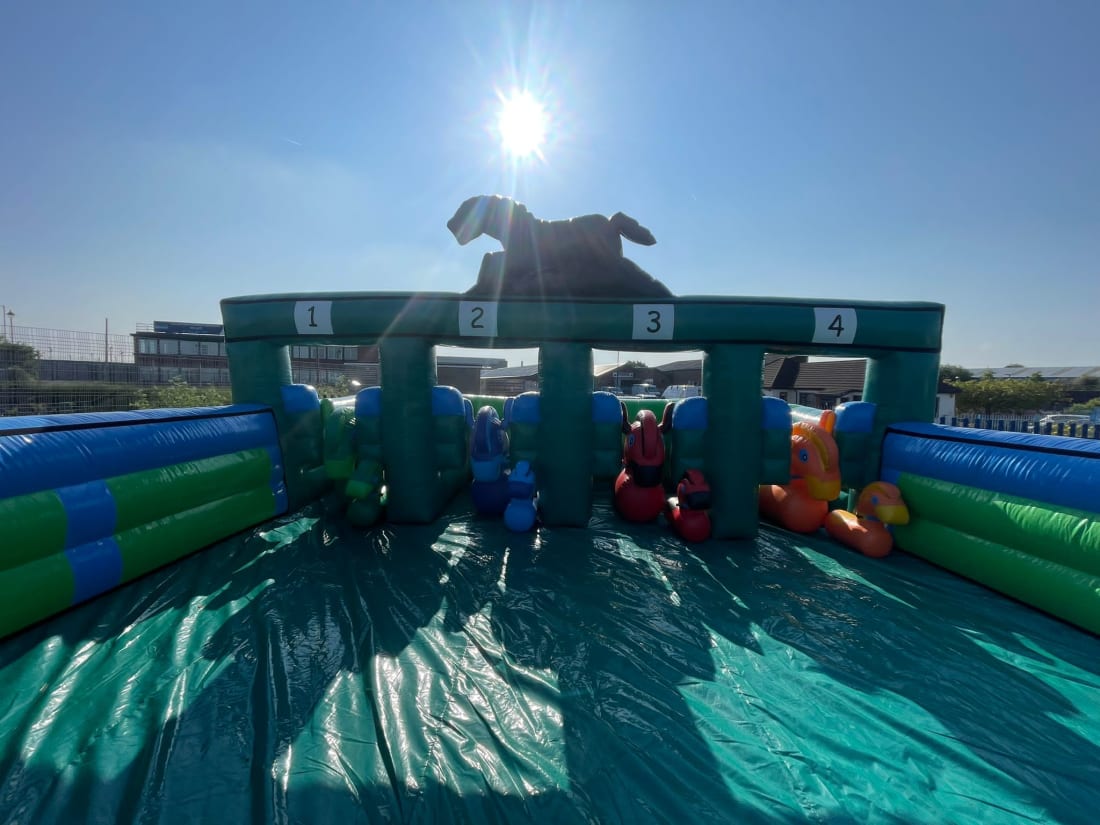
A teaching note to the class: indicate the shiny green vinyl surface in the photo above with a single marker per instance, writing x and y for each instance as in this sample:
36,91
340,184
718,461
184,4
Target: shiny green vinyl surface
310,672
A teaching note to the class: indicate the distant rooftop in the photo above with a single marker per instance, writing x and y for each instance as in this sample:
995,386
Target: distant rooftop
1048,373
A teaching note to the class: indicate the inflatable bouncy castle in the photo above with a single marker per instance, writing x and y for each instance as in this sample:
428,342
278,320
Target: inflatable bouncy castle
300,609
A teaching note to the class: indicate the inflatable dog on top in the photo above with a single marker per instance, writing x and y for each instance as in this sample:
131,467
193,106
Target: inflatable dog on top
581,257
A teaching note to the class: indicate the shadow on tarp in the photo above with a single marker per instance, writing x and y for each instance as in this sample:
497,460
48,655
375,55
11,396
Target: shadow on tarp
901,626
312,672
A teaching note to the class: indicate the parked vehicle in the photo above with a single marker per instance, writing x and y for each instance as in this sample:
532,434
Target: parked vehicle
1063,418
645,390
675,392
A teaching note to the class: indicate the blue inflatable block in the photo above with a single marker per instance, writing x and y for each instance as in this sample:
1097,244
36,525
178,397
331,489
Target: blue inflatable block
1060,471
300,398
521,483
90,512
97,567
525,409
777,413
368,402
606,408
855,417
57,456
508,411
447,401
28,424
468,407
690,414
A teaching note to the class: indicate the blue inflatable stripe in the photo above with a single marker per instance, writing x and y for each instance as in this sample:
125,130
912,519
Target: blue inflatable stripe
447,401
96,566
777,413
690,414
1058,471
368,403
468,407
31,424
278,480
90,512
300,398
855,417
606,408
84,452
525,409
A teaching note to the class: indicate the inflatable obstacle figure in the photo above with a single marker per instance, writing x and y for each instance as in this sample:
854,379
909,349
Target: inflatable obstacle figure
869,528
522,510
488,463
639,494
367,494
802,504
687,511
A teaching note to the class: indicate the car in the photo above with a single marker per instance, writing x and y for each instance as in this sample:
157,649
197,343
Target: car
1063,418
678,391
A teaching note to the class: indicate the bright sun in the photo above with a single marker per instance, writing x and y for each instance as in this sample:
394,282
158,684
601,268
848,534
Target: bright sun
522,124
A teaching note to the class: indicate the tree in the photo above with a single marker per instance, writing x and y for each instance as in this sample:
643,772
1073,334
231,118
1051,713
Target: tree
634,365
178,394
990,395
954,374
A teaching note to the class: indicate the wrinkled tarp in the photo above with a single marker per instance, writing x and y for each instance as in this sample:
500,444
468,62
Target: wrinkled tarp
313,672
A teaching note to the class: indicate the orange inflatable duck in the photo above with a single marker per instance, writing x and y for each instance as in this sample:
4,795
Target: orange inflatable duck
802,504
867,529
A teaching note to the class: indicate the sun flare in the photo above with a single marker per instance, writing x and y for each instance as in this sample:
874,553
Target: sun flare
522,124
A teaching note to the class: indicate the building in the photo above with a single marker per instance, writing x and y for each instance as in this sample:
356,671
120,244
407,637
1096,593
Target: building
196,353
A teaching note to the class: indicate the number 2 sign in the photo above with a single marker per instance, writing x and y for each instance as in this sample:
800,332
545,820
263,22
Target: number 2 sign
477,318
834,325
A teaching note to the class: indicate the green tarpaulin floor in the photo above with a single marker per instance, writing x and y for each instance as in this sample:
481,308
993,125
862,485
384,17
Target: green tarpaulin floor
312,672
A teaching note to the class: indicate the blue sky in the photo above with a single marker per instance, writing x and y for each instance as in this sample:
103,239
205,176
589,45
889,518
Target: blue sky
157,157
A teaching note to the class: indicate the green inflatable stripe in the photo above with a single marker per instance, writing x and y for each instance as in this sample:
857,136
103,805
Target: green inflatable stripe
34,591
33,526
1061,591
1057,534
157,543
155,494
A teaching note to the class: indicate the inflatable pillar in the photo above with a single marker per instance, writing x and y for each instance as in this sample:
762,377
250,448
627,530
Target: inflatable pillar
408,429
564,468
733,440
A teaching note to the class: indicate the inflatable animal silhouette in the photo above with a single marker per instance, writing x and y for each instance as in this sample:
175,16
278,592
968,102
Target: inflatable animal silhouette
580,257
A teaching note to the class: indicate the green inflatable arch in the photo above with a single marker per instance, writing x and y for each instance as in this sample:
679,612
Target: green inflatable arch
902,341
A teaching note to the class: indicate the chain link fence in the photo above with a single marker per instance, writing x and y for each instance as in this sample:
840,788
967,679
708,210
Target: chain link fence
47,371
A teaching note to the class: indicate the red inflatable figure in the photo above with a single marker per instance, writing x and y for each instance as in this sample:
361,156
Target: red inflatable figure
639,495
687,511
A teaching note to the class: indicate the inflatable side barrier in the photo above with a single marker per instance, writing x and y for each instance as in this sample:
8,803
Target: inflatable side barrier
90,501
1018,513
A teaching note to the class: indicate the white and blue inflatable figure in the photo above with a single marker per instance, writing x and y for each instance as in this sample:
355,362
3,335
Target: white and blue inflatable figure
488,459
522,510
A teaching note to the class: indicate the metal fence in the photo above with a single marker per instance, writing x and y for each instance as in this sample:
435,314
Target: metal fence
47,371
1025,425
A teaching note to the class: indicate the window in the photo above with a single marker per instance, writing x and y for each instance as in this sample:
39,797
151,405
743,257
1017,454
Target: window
168,347
189,347
147,346
783,396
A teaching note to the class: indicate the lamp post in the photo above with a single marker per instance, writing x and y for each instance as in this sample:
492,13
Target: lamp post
11,325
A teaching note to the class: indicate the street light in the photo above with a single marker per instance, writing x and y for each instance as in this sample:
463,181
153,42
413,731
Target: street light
11,325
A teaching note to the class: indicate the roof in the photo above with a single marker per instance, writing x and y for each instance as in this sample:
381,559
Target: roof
469,361
526,371
1047,373
831,377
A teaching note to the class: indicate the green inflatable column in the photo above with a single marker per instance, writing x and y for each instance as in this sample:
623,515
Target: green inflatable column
903,386
564,467
734,439
408,431
259,373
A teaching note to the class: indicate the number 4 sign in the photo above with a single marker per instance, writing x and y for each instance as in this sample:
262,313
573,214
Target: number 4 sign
834,325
